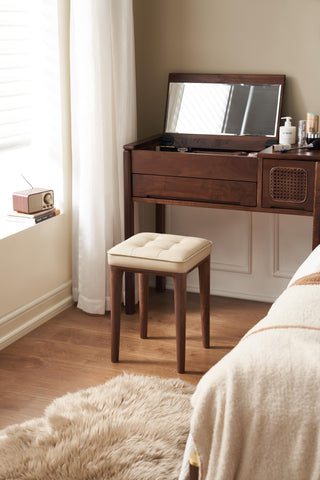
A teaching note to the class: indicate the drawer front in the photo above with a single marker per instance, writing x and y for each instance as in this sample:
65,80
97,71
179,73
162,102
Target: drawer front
288,184
217,166
194,189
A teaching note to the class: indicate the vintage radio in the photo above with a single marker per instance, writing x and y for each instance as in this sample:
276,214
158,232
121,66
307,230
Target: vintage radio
33,200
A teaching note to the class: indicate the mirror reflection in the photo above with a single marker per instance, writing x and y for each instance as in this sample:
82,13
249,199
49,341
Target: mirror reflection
223,109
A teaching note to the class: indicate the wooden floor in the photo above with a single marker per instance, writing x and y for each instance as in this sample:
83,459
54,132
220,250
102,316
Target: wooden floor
72,351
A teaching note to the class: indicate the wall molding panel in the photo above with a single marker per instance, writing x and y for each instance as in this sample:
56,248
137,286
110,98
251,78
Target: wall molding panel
230,260
291,243
277,271
246,266
254,254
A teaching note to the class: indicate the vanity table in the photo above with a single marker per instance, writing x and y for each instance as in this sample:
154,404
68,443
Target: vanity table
228,168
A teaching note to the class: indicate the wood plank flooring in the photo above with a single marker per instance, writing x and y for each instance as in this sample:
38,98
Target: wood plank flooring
72,351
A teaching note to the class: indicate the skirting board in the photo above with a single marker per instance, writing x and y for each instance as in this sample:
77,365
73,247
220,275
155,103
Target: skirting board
21,321
228,293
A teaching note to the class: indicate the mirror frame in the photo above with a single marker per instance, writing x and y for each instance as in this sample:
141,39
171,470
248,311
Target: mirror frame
224,142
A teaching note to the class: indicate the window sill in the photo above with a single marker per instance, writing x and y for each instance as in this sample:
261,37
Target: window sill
11,227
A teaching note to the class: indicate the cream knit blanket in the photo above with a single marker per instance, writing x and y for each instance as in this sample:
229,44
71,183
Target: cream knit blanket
257,412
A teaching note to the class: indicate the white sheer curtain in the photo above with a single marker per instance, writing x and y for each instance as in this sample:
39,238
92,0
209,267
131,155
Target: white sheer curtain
103,119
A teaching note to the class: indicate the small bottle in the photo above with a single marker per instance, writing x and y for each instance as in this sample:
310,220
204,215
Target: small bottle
302,133
312,124
311,136
287,133
312,127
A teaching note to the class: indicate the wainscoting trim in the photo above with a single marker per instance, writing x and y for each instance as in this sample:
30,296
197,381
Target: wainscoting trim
18,323
277,272
247,266
194,288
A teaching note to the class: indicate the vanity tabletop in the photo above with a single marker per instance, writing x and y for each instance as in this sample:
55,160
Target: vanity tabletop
296,154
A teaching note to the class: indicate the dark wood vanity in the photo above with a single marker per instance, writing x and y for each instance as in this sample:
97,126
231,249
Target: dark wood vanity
221,169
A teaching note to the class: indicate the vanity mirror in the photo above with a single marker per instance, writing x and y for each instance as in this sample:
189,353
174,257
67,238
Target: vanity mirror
214,111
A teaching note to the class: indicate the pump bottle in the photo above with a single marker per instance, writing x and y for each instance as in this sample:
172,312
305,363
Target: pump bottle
287,133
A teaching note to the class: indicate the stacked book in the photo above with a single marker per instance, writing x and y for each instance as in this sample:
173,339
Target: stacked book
33,217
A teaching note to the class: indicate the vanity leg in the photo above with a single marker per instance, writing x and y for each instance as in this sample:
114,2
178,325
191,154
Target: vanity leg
128,228
316,208
160,228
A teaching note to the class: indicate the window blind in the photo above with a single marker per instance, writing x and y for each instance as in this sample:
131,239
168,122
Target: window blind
15,72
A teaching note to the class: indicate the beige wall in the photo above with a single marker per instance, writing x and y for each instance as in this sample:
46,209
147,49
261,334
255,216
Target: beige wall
229,36
35,264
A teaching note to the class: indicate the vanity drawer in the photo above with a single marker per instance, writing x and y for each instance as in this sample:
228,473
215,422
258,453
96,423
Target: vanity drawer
194,189
288,184
216,165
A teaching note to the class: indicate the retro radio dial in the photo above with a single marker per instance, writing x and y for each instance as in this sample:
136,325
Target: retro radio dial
47,198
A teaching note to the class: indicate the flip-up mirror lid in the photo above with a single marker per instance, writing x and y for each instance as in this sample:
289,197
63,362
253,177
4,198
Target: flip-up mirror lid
224,111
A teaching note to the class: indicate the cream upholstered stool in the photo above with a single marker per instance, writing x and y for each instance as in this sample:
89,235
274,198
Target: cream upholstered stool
167,255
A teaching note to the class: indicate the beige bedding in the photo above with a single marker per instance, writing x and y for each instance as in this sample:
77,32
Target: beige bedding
257,412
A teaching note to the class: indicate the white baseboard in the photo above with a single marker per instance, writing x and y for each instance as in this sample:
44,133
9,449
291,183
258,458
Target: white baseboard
228,293
18,323
245,296
236,294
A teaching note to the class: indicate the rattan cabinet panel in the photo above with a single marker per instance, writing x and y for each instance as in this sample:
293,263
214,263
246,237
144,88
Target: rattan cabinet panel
288,184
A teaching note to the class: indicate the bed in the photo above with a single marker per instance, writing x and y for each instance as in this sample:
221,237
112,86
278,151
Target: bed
256,413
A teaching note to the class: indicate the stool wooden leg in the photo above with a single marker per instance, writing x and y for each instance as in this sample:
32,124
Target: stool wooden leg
160,228
116,290
129,293
180,291
143,303
204,282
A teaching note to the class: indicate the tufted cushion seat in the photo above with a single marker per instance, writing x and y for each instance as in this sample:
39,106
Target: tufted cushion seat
160,252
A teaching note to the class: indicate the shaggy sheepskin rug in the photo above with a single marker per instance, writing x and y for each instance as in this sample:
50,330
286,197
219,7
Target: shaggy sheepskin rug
130,428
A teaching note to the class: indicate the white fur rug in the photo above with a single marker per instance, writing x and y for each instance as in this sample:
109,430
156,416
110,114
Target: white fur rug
131,428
